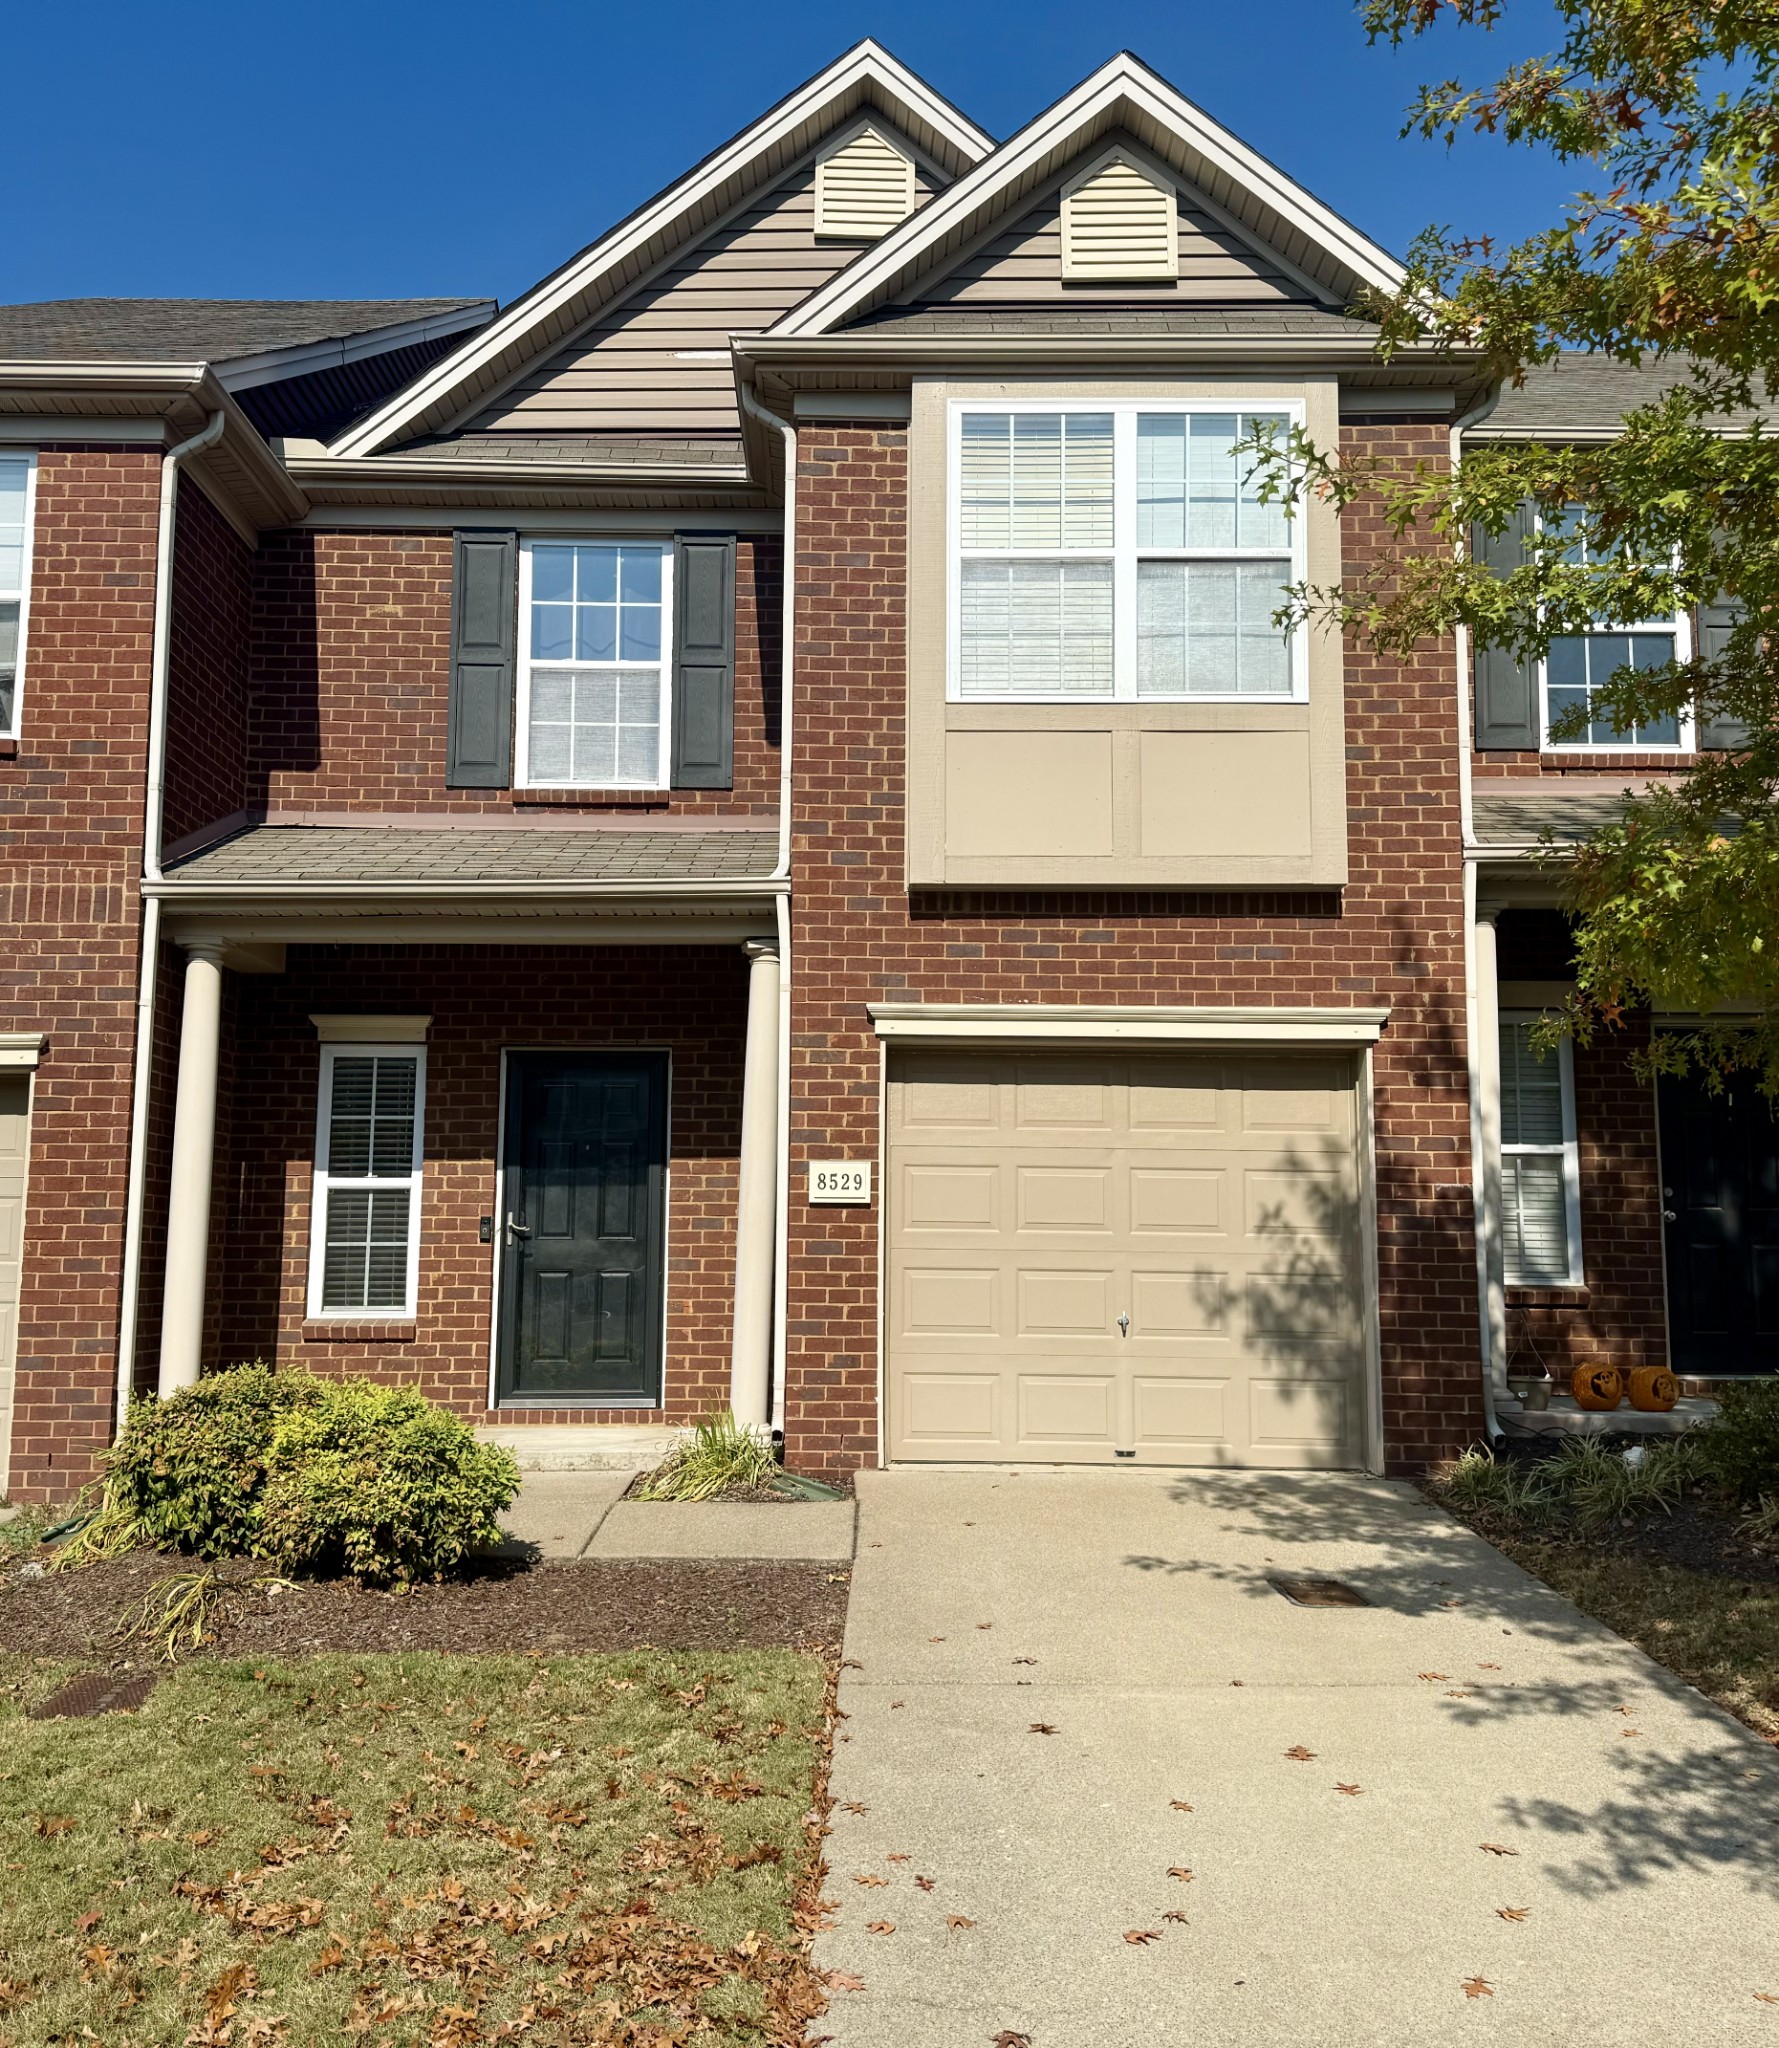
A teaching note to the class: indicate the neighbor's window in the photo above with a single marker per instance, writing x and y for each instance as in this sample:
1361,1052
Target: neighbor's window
1117,552
18,478
365,1239
1540,1169
593,689
1576,665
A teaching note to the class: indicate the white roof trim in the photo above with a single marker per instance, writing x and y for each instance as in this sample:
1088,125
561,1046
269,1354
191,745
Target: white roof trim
334,1029
867,67
1123,84
1118,1024
242,373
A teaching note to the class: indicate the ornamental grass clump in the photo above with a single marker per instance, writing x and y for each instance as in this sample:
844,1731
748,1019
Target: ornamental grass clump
380,1484
719,1457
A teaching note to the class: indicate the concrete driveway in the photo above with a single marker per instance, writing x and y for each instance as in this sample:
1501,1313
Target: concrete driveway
1330,1777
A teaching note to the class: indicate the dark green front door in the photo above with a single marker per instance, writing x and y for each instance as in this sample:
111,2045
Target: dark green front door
585,1202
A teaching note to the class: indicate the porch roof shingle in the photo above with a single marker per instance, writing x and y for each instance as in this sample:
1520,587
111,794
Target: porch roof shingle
372,855
1521,813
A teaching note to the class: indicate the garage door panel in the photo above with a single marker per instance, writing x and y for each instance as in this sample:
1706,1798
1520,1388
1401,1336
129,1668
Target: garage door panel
1210,1199
1056,1410
950,1198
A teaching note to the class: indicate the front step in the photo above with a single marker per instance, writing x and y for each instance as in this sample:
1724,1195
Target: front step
583,1446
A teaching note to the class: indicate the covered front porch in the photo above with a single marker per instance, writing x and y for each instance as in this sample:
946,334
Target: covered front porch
512,1137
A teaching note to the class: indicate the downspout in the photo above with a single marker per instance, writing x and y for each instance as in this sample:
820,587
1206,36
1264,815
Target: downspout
153,812
1480,1184
781,1251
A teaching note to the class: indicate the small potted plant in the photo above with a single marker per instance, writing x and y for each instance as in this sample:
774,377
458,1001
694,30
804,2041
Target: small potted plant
1528,1377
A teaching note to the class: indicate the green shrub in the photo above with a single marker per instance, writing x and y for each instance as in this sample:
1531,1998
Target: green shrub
379,1483
720,1455
189,1473
1516,1490
1740,1450
1597,1487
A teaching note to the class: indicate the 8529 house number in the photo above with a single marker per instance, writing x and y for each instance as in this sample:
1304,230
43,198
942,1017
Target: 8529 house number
840,1180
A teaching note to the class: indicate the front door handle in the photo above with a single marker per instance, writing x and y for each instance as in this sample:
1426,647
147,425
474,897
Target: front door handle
515,1228
1668,1216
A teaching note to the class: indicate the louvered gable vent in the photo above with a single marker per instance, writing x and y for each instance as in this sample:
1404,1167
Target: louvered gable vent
864,186
1119,226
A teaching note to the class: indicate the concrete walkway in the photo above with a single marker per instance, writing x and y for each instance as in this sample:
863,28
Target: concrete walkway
583,1514
1329,1777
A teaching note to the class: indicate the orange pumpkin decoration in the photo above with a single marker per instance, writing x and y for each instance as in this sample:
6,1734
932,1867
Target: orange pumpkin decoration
1654,1389
1597,1386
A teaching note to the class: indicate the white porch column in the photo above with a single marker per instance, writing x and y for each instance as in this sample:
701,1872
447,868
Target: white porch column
750,1368
194,1148
1488,1074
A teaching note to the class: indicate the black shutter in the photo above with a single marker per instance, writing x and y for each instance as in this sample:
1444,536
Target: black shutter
704,661
484,634
1715,624
1506,686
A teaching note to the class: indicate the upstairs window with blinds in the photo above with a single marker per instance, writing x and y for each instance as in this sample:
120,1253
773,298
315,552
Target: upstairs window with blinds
1118,552
365,1242
18,478
1540,1168
1577,665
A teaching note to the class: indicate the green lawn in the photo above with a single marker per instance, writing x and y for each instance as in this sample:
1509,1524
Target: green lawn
412,1849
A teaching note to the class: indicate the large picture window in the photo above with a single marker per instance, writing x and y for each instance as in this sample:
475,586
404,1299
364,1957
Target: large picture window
18,481
364,1250
1118,552
1576,665
1540,1166
594,688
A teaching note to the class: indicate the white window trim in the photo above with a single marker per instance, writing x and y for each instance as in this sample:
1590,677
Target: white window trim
1680,626
1123,554
1570,1151
322,1181
663,776
13,731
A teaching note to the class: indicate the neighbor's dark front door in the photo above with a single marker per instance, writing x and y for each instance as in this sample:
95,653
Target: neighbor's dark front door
1720,1201
585,1202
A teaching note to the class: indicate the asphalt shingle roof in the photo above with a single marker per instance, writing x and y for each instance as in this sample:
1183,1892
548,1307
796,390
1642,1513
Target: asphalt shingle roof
1521,813
547,855
202,330
1582,393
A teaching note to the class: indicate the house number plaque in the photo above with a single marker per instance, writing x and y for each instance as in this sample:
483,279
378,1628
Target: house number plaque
840,1180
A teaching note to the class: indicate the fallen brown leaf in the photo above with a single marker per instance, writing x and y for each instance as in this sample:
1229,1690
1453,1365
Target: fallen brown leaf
904,1857
854,1806
1299,1755
935,1639
1140,1937
1478,1987
1434,1677
926,1883
1174,1914
1025,1660
868,1879
985,1624
1185,1876
1768,1997
1498,1849
1178,1806
882,1927
1043,1728
1007,2038
1352,1791
88,1921
50,1825
844,1980
956,1920
1488,1667
1512,1912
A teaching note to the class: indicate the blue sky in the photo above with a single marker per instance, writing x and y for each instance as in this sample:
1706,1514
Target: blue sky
382,148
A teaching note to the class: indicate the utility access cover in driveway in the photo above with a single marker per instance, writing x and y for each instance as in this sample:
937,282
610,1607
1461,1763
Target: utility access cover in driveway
1319,1592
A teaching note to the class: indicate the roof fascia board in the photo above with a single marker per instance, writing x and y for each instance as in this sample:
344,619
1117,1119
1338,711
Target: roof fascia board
863,349
863,69
382,471
1085,113
273,366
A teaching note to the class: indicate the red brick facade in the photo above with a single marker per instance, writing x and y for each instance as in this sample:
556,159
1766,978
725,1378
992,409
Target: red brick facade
1395,937
71,807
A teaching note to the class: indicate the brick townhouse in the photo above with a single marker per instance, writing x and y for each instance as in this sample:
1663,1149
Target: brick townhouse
740,832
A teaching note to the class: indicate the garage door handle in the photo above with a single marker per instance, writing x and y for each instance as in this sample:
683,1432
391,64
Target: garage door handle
1124,1326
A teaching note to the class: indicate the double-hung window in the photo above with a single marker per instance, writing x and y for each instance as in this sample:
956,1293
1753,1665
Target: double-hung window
18,483
1119,551
1577,664
1540,1167
594,676
364,1249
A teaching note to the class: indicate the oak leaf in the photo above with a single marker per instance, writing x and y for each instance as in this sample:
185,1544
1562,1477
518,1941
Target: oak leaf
1478,1987
1025,1660
1299,1755
1768,1997
869,1879
1043,1728
1498,1849
926,1883
882,1927
1185,1876
50,1825
956,1920
904,1857
1433,1677
1140,1937
1173,1914
1512,1912
844,1980
1178,1806
1007,2038
1352,1791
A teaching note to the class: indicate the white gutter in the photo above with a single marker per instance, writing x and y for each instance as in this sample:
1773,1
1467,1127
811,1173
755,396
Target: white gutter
787,640
1479,1182
153,812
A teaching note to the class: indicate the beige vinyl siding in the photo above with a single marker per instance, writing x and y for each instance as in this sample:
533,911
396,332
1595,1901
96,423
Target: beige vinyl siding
629,373
863,188
1118,225
1023,265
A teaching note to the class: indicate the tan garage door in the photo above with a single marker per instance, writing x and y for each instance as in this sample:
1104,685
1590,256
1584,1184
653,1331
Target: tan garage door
1035,1204
15,1100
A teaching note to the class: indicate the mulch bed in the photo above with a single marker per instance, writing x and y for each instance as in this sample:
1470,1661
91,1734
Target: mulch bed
609,1604
1690,1536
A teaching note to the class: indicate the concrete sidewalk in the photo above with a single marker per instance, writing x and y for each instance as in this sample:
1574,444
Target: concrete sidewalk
583,1514
1346,1895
